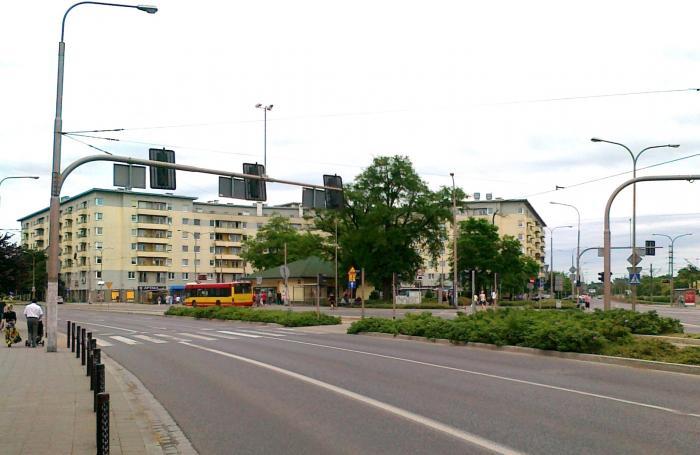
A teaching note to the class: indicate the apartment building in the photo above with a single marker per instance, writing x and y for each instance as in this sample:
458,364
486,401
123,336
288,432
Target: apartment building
514,217
118,245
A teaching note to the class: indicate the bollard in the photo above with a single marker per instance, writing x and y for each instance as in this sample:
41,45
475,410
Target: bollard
99,382
102,424
77,342
72,336
96,360
67,334
91,356
83,342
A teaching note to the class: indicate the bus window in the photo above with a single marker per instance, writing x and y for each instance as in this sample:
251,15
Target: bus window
242,288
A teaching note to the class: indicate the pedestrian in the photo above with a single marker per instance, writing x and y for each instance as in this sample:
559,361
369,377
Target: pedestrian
263,298
257,299
494,297
8,322
482,299
177,299
33,313
158,300
331,301
168,299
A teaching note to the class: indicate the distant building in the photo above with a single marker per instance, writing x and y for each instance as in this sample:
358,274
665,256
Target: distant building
129,246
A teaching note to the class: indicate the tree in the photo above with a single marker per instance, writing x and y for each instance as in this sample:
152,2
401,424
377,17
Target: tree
10,261
21,268
266,249
478,248
390,217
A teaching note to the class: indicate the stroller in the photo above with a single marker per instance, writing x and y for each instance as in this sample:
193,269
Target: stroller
39,334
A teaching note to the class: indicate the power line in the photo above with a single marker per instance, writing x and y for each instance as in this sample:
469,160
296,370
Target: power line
389,111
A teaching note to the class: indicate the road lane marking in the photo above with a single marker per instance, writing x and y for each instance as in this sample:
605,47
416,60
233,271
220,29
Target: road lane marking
103,344
151,339
125,340
219,335
255,332
240,334
170,337
108,326
199,337
408,415
690,325
503,378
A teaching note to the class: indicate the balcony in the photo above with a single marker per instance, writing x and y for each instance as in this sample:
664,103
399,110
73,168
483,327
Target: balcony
153,240
152,254
152,268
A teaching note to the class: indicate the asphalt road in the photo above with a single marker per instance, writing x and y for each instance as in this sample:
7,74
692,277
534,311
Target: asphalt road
268,390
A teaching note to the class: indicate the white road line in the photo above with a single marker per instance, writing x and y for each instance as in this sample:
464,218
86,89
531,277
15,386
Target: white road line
207,329
101,343
219,335
416,418
199,337
170,337
108,326
248,335
502,378
690,325
151,339
125,340
255,332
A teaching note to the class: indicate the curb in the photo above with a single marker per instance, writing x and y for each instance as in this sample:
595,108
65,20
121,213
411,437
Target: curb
166,437
674,340
620,361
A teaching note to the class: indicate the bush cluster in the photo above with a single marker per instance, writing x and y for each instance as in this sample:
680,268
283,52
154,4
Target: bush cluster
282,317
570,331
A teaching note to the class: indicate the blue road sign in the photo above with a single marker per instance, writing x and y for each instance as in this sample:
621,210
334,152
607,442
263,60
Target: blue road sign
351,284
634,278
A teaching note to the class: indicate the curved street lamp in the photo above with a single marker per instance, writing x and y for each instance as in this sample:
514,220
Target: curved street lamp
55,205
670,258
635,158
578,246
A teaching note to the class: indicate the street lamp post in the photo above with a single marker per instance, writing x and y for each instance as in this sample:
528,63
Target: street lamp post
19,177
670,259
578,247
635,158
265,109
55,205
454,240
551,255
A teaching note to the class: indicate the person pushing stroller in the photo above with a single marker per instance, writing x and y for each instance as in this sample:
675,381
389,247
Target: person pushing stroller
8,322
33,313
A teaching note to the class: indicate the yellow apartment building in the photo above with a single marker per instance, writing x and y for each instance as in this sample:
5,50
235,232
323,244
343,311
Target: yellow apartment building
118,245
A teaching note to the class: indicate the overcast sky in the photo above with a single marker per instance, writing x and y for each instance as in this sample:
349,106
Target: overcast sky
456,86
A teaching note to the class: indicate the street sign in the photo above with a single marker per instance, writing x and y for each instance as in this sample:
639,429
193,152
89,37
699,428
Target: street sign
284,271
634,269
634,259
634,278
352,285
558,283
258,280
601,252
352,274
572,269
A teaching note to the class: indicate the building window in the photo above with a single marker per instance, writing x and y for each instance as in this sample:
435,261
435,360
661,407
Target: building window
98,274
134,261
185,262
185,221
197,262
98,245
210,276
171,275
211,249
197,221
133,246
197,249
520,237
168,262
521,210
521,223
132,275
143,277
185,248
98,216
99,201
185,234
212,236
98,259
197,235
134,232
98,231
211,263
134,218
185,275
211,223
169,234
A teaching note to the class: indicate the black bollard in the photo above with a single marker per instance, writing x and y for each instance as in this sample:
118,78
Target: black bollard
99,382
77,342
102,424
83,342
91,356
72,336
67,334
96,360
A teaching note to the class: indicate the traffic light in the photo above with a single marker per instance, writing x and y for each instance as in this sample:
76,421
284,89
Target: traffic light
601,276
650,246
334,199
322,278
254,188
162,178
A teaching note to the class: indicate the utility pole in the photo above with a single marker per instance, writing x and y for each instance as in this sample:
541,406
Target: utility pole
286,280
454,240
337,297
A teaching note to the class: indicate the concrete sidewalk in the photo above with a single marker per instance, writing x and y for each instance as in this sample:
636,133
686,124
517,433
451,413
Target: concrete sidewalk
46,407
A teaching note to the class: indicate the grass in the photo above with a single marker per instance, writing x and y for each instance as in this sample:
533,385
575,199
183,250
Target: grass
282,317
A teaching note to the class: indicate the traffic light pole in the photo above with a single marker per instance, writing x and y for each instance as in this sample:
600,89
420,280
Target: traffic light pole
58,179
606,225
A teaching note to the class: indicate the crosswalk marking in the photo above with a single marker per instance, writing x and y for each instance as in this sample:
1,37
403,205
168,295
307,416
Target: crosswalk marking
219,335
125,339
199,337
239,334
255,332
101,343
170,337
151,339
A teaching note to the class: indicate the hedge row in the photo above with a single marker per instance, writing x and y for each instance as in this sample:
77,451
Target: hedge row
282,317
570,331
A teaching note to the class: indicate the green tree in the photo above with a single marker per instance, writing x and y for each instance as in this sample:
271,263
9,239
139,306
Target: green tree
266,249
478,248
390,217
687,277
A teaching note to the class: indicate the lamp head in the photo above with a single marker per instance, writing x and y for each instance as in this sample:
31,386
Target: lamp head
675,146
148,8
269,108
595,139
258,105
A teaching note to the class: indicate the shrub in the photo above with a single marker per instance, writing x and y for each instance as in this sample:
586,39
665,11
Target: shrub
649,323
282,317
